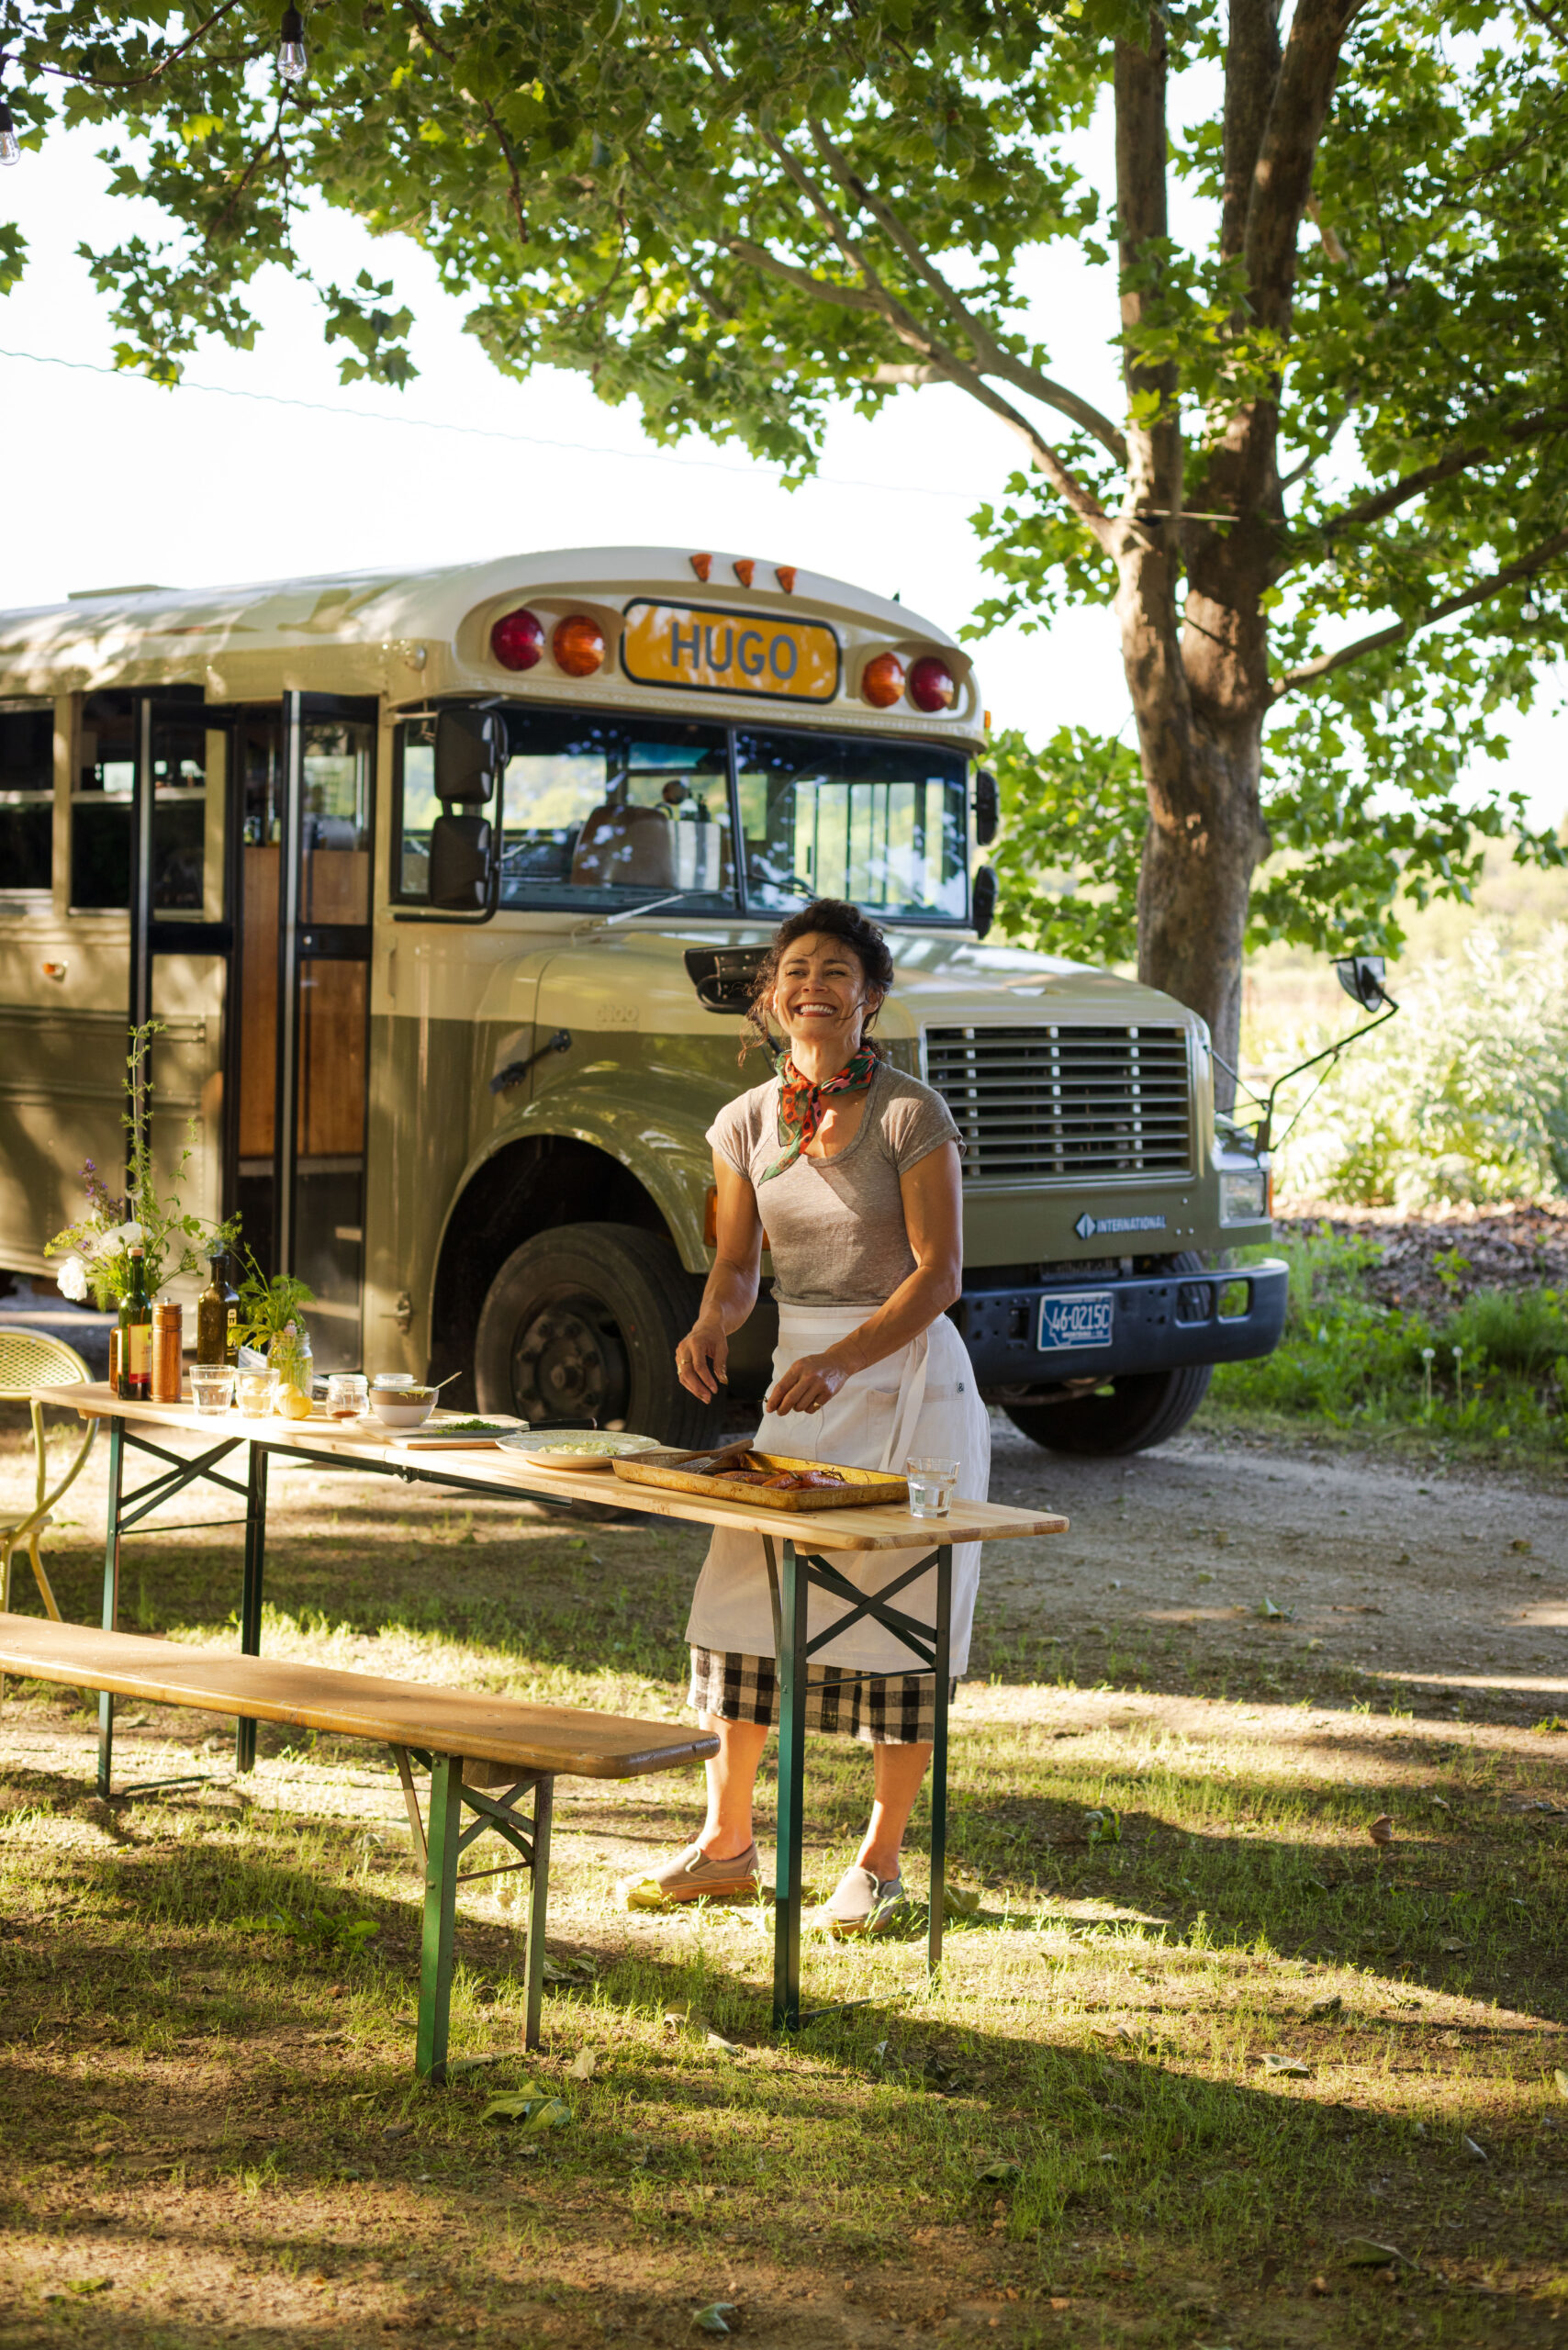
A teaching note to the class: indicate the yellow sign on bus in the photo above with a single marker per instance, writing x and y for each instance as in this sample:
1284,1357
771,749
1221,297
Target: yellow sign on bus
719,651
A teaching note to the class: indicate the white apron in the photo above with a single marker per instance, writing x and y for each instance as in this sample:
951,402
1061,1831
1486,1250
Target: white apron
921,1400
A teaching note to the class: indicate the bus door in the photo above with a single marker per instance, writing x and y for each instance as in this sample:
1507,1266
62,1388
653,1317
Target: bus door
304,802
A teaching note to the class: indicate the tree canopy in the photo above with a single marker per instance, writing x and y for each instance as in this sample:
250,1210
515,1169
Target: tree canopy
1329,517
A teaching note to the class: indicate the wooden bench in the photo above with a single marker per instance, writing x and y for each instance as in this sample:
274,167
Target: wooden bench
482,1755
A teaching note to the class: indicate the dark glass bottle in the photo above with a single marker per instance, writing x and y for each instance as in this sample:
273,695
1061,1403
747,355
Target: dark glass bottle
212,1317
136,1336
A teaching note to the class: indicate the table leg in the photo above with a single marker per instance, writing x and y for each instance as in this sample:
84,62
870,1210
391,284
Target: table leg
250,1596
442,1827
942,1646
111,1600
538,1903
792,1666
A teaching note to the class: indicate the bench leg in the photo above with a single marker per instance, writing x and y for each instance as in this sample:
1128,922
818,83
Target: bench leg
251,1594
442,1833
538,1901
111,1601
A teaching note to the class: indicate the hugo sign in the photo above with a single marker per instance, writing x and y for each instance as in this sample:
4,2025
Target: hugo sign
735,653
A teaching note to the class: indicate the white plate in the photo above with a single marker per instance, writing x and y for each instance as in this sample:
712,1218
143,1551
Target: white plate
558,1455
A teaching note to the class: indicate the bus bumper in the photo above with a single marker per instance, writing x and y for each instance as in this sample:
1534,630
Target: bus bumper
1071,1331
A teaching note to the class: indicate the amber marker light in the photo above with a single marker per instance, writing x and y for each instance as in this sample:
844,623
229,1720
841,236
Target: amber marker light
881,680
932,685
578,646
517,639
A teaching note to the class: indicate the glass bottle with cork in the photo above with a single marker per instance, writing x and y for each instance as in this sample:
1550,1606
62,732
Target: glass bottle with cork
217,1315
136,1334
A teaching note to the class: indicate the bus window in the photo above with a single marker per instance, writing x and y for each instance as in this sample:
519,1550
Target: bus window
594,813
882,824
27,797
101,805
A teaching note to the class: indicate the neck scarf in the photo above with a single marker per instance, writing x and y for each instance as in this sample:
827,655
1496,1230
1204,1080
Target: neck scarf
801,1104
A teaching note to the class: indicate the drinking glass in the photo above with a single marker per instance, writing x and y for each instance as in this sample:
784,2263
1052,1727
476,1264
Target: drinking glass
212,1386
348,1395
930,1484
256,1394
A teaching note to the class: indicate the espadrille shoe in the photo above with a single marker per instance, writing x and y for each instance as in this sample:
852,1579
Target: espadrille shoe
692,1877
861,1903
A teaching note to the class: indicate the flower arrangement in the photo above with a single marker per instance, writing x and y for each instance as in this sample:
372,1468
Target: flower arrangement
96,1249
272,1319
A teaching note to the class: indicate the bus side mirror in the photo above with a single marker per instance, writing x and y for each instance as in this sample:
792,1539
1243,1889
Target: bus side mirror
470,752
461,857
983,900
988,807
1362,977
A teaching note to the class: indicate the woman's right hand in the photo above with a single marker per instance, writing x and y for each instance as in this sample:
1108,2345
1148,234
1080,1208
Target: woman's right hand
702,1357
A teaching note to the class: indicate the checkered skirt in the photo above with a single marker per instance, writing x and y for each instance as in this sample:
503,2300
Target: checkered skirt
900,1710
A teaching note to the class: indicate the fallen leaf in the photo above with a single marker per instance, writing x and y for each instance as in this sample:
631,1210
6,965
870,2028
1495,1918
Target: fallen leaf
999,2173
536,2108
1271,1612
1362,2252
1561,2077
399,2129
1380,1830
715,2318
1102,1828
1332,2006
1291,2067
1522,1543
728,2047
1453,1946
1477,2153
959,1901
83,2286
469,2063
582,2066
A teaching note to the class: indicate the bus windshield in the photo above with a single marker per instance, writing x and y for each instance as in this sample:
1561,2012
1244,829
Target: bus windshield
603,814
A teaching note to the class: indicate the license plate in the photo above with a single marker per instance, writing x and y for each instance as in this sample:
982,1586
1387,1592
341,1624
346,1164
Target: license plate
713,651
1078,1318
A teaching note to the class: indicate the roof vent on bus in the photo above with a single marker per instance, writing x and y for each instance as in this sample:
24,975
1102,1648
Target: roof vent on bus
724,975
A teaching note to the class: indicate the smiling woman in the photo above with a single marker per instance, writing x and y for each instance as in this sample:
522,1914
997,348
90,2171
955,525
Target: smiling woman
861,1166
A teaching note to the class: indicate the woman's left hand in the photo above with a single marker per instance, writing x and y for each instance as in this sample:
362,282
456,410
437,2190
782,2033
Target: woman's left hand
808,1384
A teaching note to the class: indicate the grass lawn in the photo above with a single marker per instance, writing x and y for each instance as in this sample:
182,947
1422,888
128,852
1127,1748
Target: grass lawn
1216,2071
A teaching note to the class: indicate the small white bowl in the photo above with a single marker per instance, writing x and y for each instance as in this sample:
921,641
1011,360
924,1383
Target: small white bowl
402,1413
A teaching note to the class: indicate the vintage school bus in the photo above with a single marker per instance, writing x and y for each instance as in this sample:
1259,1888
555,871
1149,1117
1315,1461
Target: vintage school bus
446,888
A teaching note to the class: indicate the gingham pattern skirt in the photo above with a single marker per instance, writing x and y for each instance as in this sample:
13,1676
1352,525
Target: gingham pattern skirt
897,1711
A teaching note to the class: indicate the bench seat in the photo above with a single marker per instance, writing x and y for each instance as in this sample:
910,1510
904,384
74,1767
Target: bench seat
467,1743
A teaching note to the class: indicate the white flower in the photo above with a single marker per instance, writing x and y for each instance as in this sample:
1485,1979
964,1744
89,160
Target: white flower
72,1280
131,1235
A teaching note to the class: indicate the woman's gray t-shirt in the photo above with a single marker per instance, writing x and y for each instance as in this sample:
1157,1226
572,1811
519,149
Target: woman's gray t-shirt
836,1225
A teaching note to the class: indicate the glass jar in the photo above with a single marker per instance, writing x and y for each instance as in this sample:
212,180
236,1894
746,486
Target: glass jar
348,1397
290,1357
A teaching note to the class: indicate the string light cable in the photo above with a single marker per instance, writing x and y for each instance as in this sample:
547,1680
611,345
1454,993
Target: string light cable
488,432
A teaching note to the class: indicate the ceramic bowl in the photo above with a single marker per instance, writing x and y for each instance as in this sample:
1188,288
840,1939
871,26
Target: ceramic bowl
403,1407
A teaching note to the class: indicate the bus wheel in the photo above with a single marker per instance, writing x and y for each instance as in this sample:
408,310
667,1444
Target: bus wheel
1142,1408
581,1323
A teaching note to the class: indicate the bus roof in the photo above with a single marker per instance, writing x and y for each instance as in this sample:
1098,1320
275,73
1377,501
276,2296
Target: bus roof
408,635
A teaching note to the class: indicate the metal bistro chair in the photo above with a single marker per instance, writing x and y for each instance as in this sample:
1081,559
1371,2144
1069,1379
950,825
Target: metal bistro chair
30,1359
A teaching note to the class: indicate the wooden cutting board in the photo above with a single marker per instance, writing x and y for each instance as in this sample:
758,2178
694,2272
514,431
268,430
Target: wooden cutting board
862,1489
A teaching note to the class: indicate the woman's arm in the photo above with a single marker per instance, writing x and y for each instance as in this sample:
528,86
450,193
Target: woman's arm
702,1357
933,1214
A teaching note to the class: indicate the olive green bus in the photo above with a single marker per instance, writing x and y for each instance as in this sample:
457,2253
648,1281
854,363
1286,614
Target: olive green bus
447,889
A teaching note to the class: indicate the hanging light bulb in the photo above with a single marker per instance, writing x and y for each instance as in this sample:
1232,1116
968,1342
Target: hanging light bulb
10,145
1529,612
292,61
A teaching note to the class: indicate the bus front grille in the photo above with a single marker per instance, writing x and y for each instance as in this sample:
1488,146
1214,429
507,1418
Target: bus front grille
1066,1104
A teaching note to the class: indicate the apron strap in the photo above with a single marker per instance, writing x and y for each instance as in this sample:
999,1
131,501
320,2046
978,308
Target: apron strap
909,1407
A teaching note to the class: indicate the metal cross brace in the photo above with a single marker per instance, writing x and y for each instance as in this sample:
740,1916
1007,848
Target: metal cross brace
439,1848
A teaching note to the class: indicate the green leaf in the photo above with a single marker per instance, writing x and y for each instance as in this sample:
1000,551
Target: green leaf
1363,2253
1286,2067
715,2317
537,2110
1561,2077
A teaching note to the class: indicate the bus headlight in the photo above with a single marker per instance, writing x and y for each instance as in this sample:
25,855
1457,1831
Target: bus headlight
1244,1196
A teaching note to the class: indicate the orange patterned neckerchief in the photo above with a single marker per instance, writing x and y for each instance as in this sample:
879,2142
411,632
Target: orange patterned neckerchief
801,1104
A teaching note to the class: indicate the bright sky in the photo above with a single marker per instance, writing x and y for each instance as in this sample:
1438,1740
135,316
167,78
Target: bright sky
112,481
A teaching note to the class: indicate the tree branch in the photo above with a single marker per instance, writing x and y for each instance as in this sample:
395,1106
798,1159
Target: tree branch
1154,442
1282,178
1251,72
844,297
1454,461
992,357
1326,663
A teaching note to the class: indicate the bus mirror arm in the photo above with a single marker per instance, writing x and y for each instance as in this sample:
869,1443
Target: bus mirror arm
515,1071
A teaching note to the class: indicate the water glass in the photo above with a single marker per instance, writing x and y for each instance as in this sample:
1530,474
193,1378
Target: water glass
930,1484
212,1386
348,1395
256,1394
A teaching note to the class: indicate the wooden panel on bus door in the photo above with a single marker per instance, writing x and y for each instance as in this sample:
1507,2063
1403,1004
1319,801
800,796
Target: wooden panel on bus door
258,1001
333,1039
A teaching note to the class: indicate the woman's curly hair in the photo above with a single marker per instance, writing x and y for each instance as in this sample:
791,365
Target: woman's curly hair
837,919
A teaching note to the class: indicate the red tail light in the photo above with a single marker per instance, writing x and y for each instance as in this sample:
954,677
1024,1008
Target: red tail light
881,680
516,640
932,685
578,646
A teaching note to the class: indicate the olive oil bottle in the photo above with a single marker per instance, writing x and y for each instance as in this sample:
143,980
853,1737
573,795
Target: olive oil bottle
218,1317
136,1336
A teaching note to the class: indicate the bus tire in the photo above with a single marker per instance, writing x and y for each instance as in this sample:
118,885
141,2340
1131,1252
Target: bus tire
1143,1407
581,1324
